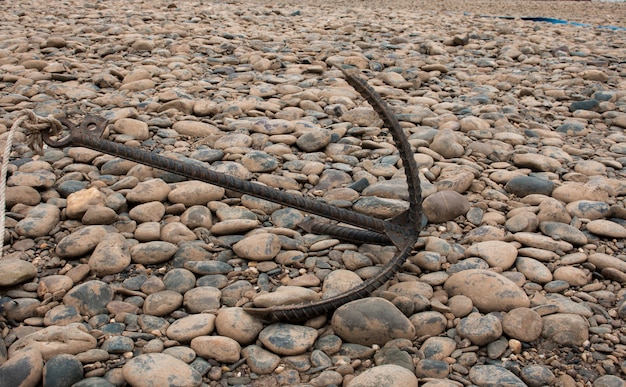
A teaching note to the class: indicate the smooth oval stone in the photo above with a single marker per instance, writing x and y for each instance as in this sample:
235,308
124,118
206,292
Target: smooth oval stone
51,284
606,228
380,207
176,232
460,305
69,187
536,162
430,368
238,325
147,212
590,168
556,286
390,189
149,231
489,291
542,242
443,206
553,210
208,267
202,298
533,270
258,161
179,280
371,321
572,275
195,193
54,340
564,232
259,247
429,323
153,190
385,375
287,218
272,126
154,369
483,375
234,226
99,215
162,303
314,140
91,297
536,375
24,368
573,191
154,252
339,281
526,185
571,129
118,344
197,216
605,261
110,256
83,240
288,339
525,221
39,179
222,349
62,370
454,179
609,381
22,194
496,253
447,144
588,209
79,202
260,361
195,128
285,295
523,324
565,329
39,221
480,330
20,309
135,128
15,271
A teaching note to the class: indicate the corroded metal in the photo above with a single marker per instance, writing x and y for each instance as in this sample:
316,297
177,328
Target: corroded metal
402,231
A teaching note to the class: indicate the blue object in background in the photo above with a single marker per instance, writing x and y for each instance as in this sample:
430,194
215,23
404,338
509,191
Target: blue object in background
556,21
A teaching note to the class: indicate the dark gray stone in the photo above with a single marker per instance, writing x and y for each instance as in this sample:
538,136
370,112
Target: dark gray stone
526,185
62,371
590,104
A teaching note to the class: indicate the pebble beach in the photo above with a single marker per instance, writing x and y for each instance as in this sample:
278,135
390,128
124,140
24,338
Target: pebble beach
115,273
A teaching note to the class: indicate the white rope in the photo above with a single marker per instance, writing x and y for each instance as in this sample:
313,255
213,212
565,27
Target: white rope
34,126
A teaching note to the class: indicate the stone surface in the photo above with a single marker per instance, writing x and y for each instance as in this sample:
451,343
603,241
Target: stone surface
39,221
371,321
488,291
62,370
485,375
445,205
23,368
156,369
523,324
15,271
287,339
222,349
55,340
388,374
110,256
565,329
480,330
